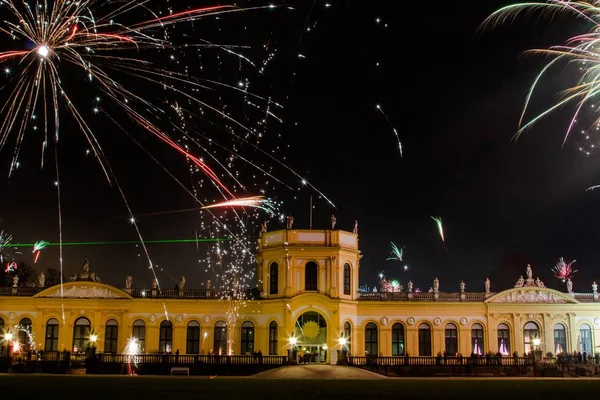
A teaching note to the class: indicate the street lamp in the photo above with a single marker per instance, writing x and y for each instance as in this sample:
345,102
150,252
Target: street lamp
536,343
93,338
8,336
342,341
293,341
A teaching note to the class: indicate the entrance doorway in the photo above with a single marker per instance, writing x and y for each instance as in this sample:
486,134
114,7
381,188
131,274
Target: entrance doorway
310,332
313,354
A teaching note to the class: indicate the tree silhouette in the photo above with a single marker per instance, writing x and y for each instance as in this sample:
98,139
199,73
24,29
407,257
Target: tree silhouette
26,274
52,277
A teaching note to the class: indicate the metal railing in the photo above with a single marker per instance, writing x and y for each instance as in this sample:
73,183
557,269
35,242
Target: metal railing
57,356
403,296
369,361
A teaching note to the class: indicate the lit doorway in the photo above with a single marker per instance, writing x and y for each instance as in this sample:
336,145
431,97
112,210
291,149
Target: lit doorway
310,332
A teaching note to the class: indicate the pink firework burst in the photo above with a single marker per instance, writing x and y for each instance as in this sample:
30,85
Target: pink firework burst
564,270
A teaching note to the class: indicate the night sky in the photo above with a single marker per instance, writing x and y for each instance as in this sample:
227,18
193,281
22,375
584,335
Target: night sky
453,93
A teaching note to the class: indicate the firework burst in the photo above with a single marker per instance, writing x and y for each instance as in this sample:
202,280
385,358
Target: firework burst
66,52
440,227
396,253
5,240
37,249
564,270
580,50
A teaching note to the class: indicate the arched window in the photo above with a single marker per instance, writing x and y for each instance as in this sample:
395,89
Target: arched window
273,338
585,335
311,270
51,343
274,278
81,334
193,338
247,339
451,338
530,331
504,339
397,339
477,342
371,340
220,342
111,336
560,339
348,336
165,338
139,332
347,272
424,340
24,334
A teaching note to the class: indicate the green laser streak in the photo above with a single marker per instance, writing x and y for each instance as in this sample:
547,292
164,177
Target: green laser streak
204,240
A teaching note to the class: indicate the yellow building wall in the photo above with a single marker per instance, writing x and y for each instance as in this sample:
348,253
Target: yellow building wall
292,249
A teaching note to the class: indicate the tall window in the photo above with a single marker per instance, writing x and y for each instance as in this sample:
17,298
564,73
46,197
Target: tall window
397,339
371,340
477,343
139,332
51,343
2,341
348,336
24,332
220,342
451,338
560,339
193,338
347,272
111,336
530,331
247,339
585,335
274,278
504,339
165,338
311,271
424,340
273,338
81,334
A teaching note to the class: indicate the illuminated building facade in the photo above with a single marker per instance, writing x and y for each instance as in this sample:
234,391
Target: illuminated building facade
309,298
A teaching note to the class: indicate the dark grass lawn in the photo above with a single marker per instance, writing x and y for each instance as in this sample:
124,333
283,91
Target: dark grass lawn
161,387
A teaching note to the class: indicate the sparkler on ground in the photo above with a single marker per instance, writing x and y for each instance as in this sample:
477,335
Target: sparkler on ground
391,126
564,270
18,343
580,50
132,351
37,249
440,227
396,253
